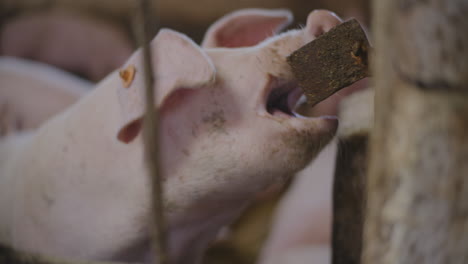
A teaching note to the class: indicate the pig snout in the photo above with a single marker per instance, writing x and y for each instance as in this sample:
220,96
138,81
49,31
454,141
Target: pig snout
282,92
321,21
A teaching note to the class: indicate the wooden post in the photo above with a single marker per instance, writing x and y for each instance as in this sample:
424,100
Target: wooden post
418,176
356,118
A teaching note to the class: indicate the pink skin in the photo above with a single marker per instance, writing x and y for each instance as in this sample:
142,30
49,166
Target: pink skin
33,92
223,136
76,43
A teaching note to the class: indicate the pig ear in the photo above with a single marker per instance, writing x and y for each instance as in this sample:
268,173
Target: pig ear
177,63
246,28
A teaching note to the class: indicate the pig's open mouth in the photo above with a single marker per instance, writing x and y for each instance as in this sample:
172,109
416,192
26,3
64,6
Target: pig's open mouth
283,98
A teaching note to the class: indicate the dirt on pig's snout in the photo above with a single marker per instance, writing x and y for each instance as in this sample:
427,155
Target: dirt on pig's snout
216,121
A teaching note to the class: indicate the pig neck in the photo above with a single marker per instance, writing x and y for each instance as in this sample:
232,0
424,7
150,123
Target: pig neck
88,131
74,171
80,152
95,120
85,136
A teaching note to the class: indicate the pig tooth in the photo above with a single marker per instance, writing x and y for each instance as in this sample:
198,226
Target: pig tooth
297,115
302,100
293,97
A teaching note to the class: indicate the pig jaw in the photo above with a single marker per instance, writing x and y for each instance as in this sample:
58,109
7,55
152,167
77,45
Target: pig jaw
228,153
232,156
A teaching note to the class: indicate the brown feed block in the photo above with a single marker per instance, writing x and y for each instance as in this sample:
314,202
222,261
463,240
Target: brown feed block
332,61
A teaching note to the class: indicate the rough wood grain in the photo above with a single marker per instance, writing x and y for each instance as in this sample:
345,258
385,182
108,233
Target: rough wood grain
331,62
418,175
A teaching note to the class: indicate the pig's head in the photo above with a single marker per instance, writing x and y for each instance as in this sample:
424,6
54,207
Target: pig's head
227,121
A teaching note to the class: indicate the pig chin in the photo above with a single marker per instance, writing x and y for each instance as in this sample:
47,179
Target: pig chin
296,138
299,147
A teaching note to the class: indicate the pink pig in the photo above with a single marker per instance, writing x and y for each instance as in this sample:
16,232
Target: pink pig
32,92
84,45
77,187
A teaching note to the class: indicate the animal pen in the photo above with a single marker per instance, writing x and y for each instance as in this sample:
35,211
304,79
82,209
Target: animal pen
401,179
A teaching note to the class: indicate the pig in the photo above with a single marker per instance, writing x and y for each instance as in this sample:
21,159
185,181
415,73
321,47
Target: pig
191,19
32,92
77,186
86,46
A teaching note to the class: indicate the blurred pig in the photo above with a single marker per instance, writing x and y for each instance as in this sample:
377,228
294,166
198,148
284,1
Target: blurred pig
32,92
83,45
77,186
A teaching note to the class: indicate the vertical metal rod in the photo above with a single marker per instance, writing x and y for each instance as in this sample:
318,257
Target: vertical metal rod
151,135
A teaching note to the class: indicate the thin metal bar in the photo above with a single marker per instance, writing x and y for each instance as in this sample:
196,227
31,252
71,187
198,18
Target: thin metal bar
150,133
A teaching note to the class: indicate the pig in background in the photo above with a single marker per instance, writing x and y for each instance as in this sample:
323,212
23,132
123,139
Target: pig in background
221,35
81,44
91,38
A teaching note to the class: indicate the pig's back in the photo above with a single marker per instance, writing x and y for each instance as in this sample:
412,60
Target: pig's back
33,92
